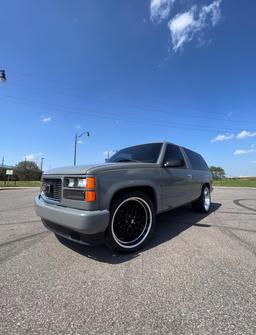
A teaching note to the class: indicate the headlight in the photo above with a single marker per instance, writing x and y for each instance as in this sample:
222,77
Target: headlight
75,182
70,182
81,182
80,188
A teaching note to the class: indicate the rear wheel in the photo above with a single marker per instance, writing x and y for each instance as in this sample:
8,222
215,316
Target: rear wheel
203,203
132,221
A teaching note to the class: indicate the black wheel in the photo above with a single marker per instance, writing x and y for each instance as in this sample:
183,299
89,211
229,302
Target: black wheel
203,203
132,220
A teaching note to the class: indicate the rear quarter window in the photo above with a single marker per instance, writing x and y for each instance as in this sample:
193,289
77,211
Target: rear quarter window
197,162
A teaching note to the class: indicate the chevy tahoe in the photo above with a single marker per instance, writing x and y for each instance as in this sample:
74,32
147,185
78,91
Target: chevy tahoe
118,201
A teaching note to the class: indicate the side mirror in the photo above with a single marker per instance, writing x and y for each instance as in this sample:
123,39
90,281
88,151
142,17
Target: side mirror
172,163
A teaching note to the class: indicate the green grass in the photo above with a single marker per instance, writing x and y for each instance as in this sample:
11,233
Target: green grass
32,183
236,182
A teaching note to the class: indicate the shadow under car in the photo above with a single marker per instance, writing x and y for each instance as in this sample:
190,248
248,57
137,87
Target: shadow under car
168,225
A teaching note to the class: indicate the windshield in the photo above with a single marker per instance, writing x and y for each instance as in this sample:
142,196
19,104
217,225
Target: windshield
146,153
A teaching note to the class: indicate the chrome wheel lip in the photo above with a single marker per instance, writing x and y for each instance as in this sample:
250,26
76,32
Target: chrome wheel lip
146,229
207,198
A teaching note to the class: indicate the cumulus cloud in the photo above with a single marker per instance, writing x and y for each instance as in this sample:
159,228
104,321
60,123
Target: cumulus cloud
160,9
47,119
245,134
243,152
222,137
185,26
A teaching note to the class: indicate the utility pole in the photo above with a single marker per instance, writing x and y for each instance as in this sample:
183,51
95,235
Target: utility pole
76,139
41,164
3,161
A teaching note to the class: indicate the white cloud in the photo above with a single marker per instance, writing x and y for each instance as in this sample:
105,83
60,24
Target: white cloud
160,9
79,141
243,152
182,28
32,157
211,12
185,26
47,119
222,137
245,134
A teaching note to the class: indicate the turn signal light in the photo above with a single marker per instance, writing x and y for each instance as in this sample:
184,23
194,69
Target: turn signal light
90,182
90,196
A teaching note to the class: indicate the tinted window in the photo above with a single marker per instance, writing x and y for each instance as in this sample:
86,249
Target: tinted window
196,160
173,152
146,153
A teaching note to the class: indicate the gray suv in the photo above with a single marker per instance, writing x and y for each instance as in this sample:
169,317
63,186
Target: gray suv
118,201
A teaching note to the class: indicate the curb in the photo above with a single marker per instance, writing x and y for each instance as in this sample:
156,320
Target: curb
235,187
19,188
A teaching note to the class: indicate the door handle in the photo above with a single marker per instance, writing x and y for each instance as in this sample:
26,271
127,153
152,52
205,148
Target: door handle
189,176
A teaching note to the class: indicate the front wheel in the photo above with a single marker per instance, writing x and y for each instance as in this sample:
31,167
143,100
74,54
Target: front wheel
203,203
132,221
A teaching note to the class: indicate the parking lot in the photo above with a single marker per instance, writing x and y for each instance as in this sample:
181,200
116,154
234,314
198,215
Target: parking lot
197,276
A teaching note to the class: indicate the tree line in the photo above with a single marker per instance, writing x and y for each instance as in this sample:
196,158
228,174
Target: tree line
29,170
217,172
24,170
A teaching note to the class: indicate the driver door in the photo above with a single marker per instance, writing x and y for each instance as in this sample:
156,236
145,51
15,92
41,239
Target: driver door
175,181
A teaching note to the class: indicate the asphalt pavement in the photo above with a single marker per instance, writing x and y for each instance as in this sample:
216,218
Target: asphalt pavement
197,276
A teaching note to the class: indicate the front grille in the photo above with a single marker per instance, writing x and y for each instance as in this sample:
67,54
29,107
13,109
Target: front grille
52,188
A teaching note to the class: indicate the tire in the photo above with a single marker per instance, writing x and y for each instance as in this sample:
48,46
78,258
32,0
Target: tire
132,222
203,203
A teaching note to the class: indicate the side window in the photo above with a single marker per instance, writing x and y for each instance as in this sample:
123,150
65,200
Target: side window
173,152
197,162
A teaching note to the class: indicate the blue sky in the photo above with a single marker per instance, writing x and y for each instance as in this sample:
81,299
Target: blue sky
129,72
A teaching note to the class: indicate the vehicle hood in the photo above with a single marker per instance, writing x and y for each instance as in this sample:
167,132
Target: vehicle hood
95,168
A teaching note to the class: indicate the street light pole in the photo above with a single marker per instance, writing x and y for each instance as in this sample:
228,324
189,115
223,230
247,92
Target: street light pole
41,165
75,149
2,75
75,146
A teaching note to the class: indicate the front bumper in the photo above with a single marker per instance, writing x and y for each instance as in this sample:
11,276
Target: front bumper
71,219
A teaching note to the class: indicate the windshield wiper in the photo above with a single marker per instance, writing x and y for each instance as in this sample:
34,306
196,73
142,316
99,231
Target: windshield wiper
127,160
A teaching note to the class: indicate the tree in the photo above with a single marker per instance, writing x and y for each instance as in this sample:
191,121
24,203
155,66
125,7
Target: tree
27,170
2,173
217,172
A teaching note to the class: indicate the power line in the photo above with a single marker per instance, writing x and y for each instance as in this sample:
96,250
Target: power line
146,108
114,93
109,115
113,116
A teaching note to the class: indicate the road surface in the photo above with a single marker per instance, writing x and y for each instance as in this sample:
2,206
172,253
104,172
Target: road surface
197,276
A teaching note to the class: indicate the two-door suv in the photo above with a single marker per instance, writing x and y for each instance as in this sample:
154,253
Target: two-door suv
118,200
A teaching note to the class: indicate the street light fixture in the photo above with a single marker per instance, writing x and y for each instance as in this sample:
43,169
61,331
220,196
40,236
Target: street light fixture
2,76
76,138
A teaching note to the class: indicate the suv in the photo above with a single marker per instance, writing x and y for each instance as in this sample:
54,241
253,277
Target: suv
118,201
